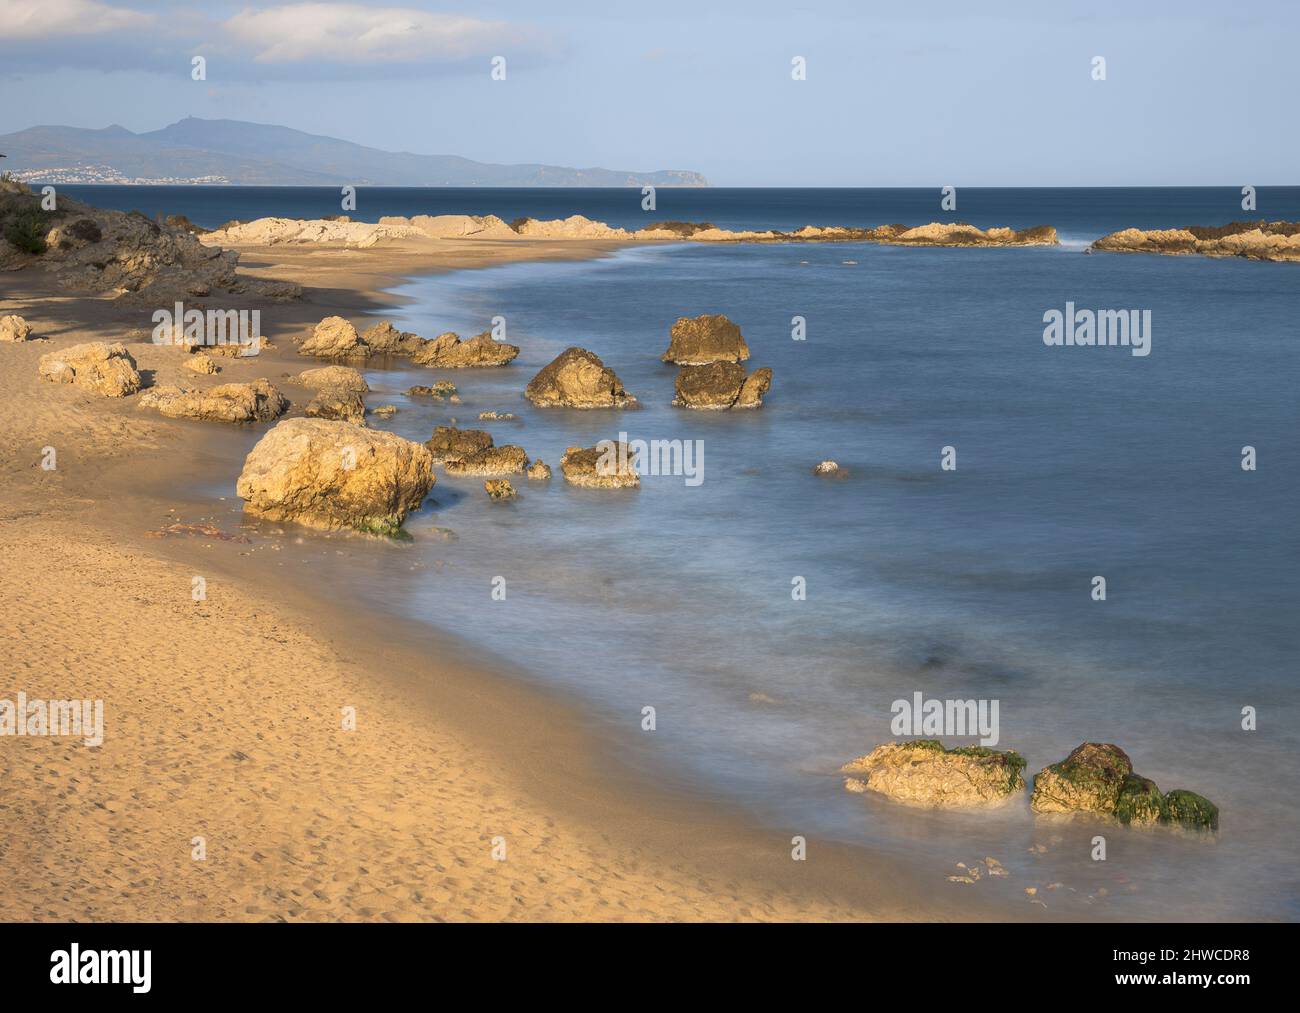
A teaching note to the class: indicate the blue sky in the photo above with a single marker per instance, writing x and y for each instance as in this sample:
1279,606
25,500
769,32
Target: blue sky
919,93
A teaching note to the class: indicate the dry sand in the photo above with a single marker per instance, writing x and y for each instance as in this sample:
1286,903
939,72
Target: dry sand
224,717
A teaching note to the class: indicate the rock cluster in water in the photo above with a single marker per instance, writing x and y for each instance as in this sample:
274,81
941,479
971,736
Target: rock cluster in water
1253,240
577,378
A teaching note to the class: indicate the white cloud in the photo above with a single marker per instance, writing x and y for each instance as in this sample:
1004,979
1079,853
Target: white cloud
44,19
351,33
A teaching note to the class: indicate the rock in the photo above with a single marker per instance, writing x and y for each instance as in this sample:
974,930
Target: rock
334,338
507,460
608,465
447,351
441,389
577,378
335,475
98,366
721,385
385,339
258,401
1261,240
1139,801
499,488
497,416
828,468
450,444
341,377
337,403
923,772
202,364
1188,809
384,411
14,328
539,471
1088,780
697,341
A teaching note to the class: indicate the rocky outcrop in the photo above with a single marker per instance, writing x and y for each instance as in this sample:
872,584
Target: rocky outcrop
339,403
335,475
295,231
258,401
608,465
343,377
577,378
721,385
447,351
99,366
697,341
334,338
385,339
507,460
451,444
1098,778
499,488
1278,241
923,772
14,328
539,471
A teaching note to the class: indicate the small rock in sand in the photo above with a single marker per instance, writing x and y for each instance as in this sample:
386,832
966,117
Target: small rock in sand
103,367
14,328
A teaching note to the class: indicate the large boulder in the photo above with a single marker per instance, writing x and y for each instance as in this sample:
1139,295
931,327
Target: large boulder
608,465
451,444
334,338
696,341
337,403
344,377
507,460
1088,780
335,475
447,351
577,378
14,328
98,366
257,401
721,385
923,772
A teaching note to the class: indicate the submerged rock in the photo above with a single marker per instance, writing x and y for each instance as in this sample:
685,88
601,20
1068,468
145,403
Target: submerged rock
450,444
1188,809
333,338
14,328
343,377
697,341
257,401
600,467
828,468
539,471
923,772
507,460
441,389
499,488
577,378
98,366
447,351
721,385
335,475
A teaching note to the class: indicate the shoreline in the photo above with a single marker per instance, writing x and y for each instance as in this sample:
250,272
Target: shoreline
628,848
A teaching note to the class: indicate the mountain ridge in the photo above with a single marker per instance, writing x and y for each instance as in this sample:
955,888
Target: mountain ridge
245,153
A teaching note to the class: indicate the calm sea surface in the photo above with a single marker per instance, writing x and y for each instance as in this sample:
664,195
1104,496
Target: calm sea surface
970,584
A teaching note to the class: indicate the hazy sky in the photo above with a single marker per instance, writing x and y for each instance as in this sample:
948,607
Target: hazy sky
907,93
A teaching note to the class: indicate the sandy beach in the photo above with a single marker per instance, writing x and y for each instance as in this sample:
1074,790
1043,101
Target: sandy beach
223,717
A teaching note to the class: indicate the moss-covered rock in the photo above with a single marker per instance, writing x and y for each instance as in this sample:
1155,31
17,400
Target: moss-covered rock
1139,802
1088,780
923,772
1188,809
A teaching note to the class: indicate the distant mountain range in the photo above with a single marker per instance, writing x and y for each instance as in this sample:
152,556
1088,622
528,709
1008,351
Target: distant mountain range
231,151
